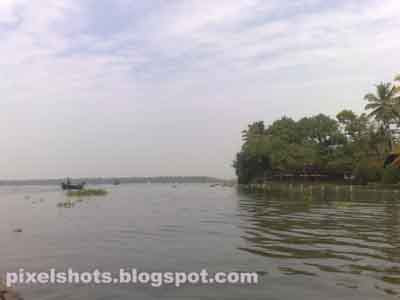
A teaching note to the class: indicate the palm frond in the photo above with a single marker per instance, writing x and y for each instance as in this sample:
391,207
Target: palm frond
391,92
371,98
377,112
395,111
382,90
372,106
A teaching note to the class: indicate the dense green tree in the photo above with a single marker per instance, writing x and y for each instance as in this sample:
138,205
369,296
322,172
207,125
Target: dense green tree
249,167
286,156
391,175
359,132
355,127
321,129
253,160
365,172
287,129
351,143
253,130
397,80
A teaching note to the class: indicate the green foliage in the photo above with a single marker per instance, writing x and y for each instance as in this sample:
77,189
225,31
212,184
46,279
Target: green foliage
391,175
351,143
286,129
354,127
87,193
253,130
320,129
287,146
385,109
365,172
249,167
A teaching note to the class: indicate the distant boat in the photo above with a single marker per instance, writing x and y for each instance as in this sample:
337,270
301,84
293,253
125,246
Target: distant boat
70,186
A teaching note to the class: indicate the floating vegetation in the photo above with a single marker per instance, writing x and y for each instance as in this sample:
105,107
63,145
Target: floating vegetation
87,193
80,196
66,204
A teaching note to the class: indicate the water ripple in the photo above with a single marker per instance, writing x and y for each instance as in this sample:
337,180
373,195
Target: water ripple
322,237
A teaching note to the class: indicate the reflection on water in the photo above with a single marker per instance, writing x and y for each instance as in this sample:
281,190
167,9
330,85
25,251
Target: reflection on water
354,238
328,244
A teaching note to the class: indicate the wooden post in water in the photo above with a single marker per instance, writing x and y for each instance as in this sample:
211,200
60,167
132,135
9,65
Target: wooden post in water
291,190
337,191
351,192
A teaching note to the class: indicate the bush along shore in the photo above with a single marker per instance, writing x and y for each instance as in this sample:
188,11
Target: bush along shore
332,192
361,148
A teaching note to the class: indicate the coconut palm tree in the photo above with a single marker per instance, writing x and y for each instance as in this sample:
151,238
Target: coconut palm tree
384,107
397,78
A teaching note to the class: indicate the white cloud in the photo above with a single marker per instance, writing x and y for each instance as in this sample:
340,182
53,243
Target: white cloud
184,60
8,12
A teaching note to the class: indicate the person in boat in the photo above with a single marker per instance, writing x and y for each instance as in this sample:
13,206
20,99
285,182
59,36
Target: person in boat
68,185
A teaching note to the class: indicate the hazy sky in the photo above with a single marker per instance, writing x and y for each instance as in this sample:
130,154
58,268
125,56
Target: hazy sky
145,88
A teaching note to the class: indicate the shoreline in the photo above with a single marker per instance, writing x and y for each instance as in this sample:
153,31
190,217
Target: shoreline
8,294
321,188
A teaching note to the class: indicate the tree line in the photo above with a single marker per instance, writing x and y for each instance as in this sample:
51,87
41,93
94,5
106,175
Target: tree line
348,146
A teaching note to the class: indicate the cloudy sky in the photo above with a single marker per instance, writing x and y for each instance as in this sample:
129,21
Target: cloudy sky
144,88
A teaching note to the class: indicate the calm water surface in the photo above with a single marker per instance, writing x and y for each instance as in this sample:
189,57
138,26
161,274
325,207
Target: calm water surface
303,248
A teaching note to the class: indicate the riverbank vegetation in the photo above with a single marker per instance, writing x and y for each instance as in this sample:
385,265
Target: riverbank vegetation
87,193
350,146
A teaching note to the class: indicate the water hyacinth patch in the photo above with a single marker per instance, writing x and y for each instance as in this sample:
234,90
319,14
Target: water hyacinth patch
87,193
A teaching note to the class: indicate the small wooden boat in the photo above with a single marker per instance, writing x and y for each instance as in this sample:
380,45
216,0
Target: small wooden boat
70,186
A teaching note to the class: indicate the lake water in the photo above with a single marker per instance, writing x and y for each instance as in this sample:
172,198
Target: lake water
303,248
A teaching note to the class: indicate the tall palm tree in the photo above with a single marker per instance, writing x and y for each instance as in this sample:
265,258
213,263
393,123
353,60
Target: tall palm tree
397,78
384,108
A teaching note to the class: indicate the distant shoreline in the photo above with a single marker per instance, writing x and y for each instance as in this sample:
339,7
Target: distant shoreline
121,180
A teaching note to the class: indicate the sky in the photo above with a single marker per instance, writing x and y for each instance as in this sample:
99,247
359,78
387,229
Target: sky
94,88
